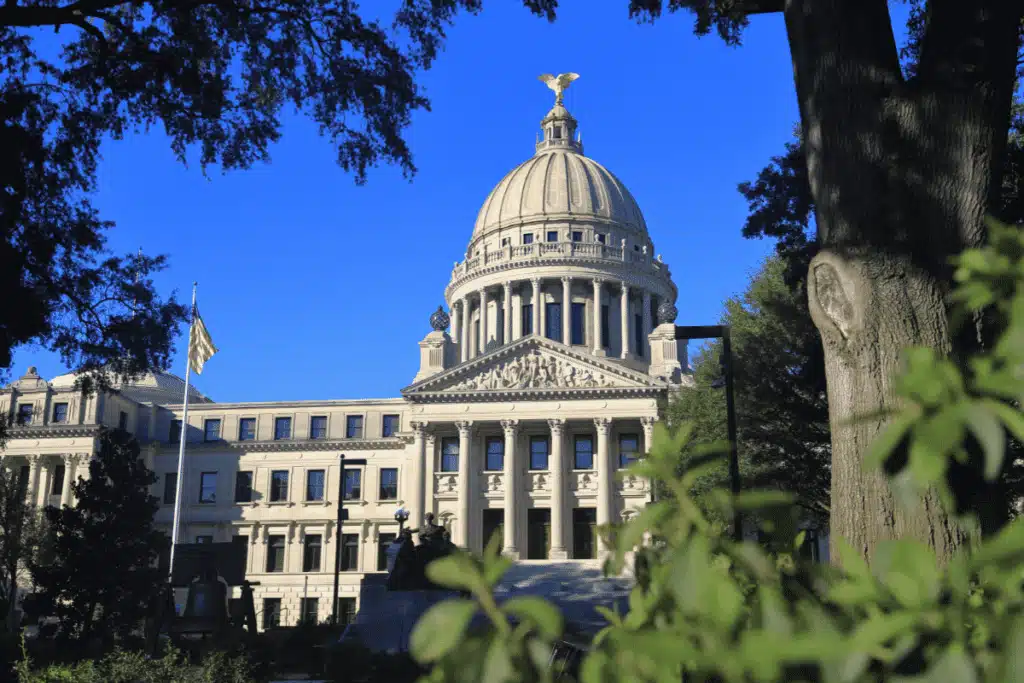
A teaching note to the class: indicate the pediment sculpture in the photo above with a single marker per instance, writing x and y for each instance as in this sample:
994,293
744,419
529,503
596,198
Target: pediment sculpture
534,371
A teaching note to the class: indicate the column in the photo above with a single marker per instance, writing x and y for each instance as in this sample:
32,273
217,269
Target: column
418,483
483,322
566,310
647,325
648,424
455,324
596,341
557,467
624,315
605,473
430,441
69,474
32,495
506,337
536,306
461,535
511,483
464,342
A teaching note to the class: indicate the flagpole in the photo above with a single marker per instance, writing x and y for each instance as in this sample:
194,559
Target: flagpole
184,431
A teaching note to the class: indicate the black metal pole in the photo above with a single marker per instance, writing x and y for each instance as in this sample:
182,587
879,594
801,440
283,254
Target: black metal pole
337,540
730,410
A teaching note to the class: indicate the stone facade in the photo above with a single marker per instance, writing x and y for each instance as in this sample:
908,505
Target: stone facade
550,380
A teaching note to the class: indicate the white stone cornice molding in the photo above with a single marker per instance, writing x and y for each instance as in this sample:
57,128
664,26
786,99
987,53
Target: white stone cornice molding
510,427
603,425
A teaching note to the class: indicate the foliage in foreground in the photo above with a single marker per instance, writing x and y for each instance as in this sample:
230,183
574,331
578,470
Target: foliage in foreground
716,610
134,667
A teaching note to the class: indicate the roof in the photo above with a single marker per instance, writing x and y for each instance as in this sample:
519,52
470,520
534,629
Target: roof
153,387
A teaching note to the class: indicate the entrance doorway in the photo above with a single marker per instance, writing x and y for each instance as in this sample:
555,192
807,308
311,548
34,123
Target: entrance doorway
584,525
493,523
538,533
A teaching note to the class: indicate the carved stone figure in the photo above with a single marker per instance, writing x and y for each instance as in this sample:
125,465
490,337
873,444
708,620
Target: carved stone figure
534,371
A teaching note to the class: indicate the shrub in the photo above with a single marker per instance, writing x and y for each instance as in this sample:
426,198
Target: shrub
715,610
134,667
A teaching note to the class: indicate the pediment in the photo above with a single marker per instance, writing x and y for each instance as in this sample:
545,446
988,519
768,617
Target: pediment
532,365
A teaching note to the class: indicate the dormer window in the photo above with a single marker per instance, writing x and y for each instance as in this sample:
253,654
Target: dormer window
600,238
556,133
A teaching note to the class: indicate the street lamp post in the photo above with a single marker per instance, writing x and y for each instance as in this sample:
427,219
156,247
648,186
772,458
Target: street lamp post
342,516
686,332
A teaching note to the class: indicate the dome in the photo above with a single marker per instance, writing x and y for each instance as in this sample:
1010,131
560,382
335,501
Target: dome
559,184
153,386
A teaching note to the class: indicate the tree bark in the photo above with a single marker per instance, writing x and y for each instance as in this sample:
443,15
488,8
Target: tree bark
902,174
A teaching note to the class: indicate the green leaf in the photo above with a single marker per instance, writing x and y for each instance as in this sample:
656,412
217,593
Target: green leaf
495,569
440,629
880,629
927,465
754,501
1013,664
596,668
1006,547
498,663
990,435
538,611
909,570
1011,418
954,666
889,438
454,571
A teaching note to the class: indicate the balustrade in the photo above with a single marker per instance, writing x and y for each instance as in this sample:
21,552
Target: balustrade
540,250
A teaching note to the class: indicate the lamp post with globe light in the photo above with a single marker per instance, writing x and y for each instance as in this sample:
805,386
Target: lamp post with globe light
401,516
342,516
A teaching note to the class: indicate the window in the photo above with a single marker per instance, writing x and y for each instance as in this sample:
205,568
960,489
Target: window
175,433
553,321
208,487
311,549
57,485
391,425
354,427
584,525
636,247
349,552
504,241
24,413
353,482
122,420
271,612
315,485
584,456
389,483
538,533
318,427
282,428
211,430
275,553
527,319
577,317
241,544
247,429
638,334
600,238
528,238
310,610
495,454
538,452
346,610
383,542
606,329
278,486
243,487
170,487
629,447
556,133
552,235
204,538
449,454
493,523
577,236
60,413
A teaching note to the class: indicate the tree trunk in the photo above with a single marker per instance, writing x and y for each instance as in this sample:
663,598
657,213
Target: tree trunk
902,174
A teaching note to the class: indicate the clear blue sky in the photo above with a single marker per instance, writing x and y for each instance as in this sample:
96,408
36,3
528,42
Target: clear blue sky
314,288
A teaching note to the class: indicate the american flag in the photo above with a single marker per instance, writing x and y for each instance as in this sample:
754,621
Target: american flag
200,346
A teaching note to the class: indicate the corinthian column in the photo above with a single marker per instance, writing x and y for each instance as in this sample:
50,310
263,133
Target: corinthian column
536,305
464,341
511,428
648,425
69,474
461,536
506,336
483,322
557,467
624,315
597,345
647,324
566,310
34,467
456,325
605,472
417,485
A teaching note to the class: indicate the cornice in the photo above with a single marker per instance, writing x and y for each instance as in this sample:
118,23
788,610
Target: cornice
503,395
624,271
290,446
51,431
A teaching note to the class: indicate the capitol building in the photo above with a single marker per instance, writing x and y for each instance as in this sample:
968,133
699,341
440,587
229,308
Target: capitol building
544,377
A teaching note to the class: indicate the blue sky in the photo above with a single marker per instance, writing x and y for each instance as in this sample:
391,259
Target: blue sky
314,288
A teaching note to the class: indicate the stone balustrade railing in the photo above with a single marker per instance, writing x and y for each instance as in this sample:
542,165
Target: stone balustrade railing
446,484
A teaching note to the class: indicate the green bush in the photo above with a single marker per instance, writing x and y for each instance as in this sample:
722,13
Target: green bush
134,667
716,611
